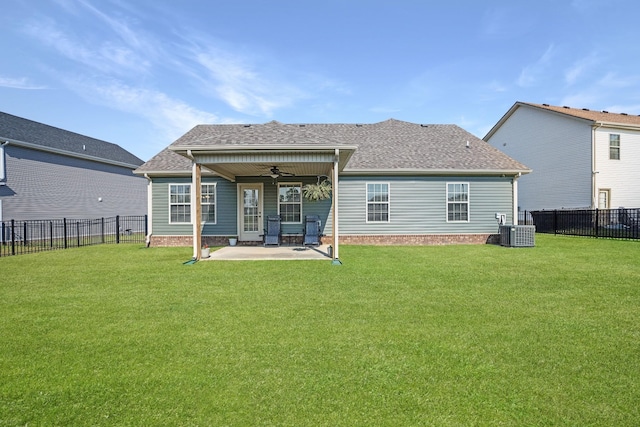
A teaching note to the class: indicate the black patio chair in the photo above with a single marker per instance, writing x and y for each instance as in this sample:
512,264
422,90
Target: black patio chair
272,234
311,230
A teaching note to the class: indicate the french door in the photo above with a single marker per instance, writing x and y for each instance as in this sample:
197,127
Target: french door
250,212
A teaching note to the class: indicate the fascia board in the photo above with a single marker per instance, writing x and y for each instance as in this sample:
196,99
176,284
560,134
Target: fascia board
67,153
437,172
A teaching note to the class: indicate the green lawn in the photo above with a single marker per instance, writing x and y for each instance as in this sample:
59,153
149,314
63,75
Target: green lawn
397,336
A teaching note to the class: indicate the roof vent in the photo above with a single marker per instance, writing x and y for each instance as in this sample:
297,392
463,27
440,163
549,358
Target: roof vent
564,106
302,126
546,105
358,125
624,114
606,112
247,126
585,109
424,126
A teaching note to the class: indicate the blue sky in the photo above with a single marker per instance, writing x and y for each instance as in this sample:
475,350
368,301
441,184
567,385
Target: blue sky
141,73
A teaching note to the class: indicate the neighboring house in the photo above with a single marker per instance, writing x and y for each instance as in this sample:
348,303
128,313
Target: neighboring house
50,173
580,158
397,183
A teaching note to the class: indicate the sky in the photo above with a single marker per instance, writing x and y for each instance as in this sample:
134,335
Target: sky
141,73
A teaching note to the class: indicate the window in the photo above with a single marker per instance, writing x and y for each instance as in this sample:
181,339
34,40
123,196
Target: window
290,202
614,146
457,201
180,203
208,198
377,202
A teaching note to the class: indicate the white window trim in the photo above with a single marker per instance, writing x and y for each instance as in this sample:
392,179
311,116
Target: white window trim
299,184
619,147
170,204
215,203
366,202
446,202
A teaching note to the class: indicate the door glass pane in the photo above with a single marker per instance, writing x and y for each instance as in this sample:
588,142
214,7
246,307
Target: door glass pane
250,210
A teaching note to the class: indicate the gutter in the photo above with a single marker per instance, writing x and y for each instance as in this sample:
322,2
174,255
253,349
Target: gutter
402,171
69,153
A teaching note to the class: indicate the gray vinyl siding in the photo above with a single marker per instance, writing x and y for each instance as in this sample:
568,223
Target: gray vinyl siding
418,205
558,150
41,185
227,206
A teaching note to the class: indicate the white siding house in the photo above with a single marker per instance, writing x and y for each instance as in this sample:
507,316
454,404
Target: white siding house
580,158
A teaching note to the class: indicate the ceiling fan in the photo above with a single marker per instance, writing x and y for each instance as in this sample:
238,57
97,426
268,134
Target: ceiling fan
276,173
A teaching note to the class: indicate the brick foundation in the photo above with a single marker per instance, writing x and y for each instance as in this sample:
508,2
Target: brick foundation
382,240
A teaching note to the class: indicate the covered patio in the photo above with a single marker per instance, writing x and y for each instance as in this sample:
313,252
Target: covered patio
246,157
258,253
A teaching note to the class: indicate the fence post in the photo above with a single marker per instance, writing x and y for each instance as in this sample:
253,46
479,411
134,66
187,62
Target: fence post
13,237
78,232
555,221
51,234
64,232
597,222
117,229
102,229
146,225
24,234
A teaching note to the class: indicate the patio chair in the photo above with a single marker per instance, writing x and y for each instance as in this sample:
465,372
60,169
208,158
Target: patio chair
311,230
272,233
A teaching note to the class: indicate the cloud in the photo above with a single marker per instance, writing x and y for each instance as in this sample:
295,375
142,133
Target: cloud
236,81
531,73
18,83
581,67
107,56
173,117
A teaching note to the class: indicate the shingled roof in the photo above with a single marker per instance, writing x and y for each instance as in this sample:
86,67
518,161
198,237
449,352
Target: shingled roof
391,146
38,135
592,115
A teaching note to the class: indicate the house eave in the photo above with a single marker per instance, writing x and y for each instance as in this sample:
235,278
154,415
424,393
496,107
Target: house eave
436,172
250,148
38,147
616,125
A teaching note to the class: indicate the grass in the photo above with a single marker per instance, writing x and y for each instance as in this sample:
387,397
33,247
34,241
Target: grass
447,336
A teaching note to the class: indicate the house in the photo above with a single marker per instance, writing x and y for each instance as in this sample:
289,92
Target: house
580,158
51,173
393,182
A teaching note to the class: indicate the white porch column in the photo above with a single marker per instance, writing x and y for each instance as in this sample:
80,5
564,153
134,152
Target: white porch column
334,202
196,209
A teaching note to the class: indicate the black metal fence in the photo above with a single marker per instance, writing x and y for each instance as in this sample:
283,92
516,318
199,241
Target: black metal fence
622,223
31,236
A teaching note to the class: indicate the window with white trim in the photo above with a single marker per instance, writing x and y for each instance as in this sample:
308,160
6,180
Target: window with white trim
614,146
457,201
377,202
179,203
208,203
290,202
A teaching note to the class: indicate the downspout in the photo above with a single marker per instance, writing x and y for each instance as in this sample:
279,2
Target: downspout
594,171
149,209
196,210
3,175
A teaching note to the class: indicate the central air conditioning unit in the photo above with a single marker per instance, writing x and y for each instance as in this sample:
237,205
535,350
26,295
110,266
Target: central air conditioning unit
517,236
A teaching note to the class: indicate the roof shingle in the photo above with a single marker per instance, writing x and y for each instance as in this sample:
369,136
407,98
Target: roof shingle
24,130
391,145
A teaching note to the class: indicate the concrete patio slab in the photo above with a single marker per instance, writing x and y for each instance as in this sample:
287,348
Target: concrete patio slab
247,253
